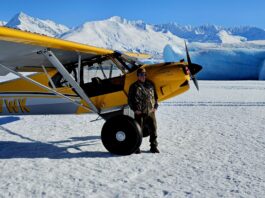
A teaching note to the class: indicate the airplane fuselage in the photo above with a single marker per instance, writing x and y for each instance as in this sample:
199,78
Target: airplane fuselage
20,97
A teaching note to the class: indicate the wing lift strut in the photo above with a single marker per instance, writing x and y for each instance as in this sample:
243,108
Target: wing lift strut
58,65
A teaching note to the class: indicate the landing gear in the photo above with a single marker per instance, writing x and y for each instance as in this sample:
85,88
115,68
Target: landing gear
121,135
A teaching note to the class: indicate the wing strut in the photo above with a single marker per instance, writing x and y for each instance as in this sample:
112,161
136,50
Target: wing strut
57,64
43,86
79,69
48,76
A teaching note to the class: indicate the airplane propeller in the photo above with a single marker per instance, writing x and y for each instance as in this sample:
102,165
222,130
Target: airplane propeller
194,68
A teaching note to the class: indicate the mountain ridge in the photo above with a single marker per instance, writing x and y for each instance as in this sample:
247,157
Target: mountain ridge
25,22
201,33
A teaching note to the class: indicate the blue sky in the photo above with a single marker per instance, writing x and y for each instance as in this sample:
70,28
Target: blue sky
193,12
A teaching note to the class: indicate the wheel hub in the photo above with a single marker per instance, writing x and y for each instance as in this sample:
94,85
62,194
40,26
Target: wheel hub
120,136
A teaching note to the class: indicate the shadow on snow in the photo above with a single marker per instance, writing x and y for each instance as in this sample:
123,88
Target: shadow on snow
6,120
37,149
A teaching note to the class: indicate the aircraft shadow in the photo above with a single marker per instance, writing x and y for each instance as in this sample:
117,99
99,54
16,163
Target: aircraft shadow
53,150
30,150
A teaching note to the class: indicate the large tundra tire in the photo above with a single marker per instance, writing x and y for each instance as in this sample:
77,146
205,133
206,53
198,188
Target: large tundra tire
121,135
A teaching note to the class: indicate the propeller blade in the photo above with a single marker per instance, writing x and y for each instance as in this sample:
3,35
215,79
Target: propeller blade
188,55
194,68
195,82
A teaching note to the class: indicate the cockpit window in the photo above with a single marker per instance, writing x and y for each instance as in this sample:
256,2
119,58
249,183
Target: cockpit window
105,70
103,67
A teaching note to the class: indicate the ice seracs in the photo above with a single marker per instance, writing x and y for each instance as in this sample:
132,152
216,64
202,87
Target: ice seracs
172,53
224,62
262,71
24,22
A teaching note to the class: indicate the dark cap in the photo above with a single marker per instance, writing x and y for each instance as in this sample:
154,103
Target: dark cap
141,70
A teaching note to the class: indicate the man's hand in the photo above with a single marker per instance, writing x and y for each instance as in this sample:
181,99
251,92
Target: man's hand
138,112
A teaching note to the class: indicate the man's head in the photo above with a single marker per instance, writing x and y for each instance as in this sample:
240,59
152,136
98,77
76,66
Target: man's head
141,74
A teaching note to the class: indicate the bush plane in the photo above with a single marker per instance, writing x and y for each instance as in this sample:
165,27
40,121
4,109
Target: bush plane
62,82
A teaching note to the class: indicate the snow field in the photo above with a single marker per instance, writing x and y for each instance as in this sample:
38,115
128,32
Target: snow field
212,144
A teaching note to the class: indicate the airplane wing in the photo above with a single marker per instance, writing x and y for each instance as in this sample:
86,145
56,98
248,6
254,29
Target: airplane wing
20,49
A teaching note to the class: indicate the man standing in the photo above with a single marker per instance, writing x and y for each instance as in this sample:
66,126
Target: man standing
142,100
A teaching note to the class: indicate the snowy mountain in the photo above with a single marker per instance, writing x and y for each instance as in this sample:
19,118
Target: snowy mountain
251,33
226,37
206,33
24,22
120,34
203,33
212,33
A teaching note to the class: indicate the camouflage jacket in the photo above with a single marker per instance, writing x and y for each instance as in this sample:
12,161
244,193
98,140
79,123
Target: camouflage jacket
142,97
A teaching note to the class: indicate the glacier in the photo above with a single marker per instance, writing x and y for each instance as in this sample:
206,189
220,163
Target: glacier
223,63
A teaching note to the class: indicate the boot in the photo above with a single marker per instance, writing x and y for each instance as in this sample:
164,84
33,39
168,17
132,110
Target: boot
154,149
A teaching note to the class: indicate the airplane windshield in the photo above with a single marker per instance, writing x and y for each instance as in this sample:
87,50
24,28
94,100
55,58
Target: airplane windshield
130,63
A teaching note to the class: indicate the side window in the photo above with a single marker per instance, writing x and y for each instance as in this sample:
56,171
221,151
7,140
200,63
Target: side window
101,69
105,70
112,70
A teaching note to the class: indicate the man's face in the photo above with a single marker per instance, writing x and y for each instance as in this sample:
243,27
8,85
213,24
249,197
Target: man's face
142,76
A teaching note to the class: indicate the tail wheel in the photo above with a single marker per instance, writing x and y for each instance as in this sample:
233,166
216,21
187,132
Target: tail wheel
121,135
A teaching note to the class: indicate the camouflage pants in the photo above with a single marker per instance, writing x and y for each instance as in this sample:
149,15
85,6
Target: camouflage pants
150,122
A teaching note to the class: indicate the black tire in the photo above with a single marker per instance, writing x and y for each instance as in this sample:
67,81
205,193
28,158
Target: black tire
121,135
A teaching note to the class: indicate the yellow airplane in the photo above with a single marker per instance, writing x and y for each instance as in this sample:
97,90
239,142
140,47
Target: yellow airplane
72,78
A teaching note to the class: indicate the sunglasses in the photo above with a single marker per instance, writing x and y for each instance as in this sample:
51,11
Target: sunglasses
142,74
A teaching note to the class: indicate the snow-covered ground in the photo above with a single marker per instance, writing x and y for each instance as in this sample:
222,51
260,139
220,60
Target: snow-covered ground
212,144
